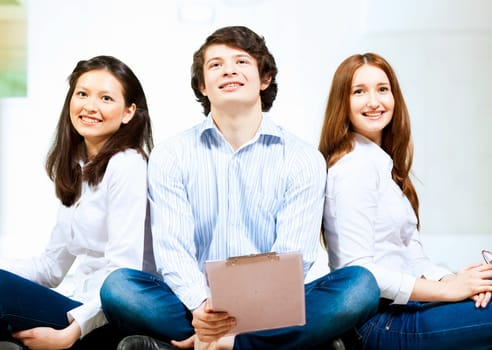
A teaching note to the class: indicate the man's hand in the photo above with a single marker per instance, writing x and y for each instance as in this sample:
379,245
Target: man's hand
188,343
209,325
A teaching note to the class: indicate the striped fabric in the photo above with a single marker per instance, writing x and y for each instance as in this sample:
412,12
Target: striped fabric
210,202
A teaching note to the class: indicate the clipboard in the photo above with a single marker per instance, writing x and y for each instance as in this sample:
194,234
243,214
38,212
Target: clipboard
262,291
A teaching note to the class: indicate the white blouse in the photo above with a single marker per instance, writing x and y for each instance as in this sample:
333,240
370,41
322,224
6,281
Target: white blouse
104,231
369,222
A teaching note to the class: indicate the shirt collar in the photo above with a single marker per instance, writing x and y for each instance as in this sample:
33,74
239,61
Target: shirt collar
377,151
267,128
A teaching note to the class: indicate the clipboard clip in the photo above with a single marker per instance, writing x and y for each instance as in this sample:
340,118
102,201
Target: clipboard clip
249,259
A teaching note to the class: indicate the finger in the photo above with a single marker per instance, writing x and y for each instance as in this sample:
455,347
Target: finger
22,335
210,339
478,299
486,275
211,317
31,332
216,323
484,267
212,334
475,298
486,299
205,310
208,306
485,280
184,344
470,267
483,289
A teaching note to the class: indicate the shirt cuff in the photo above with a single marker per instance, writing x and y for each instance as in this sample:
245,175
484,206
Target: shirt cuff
194,300
406,288
89,316
437,273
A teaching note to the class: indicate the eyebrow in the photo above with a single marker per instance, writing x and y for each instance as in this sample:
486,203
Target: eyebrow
107,92
82,87
363,84
241,55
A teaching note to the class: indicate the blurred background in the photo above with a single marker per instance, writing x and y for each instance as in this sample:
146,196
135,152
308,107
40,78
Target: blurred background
441,51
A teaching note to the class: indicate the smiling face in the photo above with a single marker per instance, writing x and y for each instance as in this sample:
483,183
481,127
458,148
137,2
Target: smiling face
98,108
231,79
371,102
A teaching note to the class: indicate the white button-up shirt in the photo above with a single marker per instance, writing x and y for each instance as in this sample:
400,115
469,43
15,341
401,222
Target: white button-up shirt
369,222
104,231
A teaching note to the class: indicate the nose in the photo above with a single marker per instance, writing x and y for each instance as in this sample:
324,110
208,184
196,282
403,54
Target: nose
229,68
373,101
90,106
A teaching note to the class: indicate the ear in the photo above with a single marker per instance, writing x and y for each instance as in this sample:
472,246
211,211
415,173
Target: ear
129,113
265,83
203,90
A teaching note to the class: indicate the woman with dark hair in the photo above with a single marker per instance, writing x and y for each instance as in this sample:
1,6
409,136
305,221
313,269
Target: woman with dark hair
98,163
371,219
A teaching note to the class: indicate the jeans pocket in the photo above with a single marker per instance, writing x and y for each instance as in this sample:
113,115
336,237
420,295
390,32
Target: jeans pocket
371,333
362,334
389,320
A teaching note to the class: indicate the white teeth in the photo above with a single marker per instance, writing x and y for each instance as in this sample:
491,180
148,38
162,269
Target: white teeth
89,120
232,85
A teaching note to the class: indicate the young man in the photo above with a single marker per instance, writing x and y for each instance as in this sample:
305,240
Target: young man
236,184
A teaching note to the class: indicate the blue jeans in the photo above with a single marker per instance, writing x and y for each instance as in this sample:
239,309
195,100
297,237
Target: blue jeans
25,304
140,303
430,326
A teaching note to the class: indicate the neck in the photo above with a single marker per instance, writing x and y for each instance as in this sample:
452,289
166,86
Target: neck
91,149
237,128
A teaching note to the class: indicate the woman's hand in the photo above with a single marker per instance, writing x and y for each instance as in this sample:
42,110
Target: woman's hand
482,299
471,282
47,338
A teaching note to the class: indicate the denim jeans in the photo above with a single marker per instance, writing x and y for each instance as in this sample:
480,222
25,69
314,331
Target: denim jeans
141,303
430,326
25,304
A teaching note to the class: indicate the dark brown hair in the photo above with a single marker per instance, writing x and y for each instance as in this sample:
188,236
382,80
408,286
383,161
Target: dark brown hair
336,135
244,39
68,148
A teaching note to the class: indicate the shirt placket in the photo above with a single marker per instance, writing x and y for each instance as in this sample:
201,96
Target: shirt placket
233,204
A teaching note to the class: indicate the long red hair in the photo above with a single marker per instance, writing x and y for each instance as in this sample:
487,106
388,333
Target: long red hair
337,139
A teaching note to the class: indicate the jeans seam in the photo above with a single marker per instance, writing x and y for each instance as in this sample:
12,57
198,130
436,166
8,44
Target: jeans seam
363,337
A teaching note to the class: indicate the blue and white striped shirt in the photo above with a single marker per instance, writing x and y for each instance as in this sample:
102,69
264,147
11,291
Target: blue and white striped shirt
210,202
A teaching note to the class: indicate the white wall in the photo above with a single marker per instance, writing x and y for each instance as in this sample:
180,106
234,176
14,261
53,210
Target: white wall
440,50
